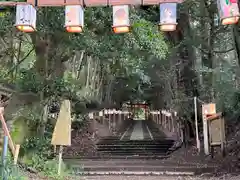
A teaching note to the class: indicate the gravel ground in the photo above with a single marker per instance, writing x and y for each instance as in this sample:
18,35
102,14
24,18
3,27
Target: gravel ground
226,177
154,178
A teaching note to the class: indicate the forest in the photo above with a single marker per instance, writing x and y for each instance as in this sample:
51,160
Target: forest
98,69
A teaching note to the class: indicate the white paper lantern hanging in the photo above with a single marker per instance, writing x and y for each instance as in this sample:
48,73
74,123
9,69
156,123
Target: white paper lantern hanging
121,22
90,115
168,16
74,18
228,11
26,16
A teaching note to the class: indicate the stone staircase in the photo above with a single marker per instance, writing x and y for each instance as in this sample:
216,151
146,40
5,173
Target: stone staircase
148,156
134,149
128,157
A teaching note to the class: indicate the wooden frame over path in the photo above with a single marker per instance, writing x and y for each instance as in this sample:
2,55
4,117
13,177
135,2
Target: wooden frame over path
88,3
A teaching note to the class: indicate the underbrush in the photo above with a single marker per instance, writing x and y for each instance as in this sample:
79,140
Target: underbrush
11,171
38,156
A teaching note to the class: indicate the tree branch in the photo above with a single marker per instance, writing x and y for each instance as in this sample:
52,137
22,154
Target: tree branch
23,59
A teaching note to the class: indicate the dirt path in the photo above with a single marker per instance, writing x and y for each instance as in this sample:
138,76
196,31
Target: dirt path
155,178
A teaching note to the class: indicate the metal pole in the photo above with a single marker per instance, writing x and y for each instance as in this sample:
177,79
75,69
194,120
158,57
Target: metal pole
196,124
4,156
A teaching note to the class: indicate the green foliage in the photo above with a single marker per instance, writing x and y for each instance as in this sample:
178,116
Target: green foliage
20,130
144,64
11,171
149,38
37,153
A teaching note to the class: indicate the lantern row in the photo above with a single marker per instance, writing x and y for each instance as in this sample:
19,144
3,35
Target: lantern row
94,3
74,18
164,112
108,112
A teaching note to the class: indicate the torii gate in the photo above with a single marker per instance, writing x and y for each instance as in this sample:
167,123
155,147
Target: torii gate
132,108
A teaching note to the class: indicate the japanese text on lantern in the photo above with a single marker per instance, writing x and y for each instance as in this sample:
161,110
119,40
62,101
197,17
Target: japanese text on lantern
168,13
120,15
228,8
71,15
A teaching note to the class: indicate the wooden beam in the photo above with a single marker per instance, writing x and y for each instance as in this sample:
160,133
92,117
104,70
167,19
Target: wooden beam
214,116
88,3
11,3
156,2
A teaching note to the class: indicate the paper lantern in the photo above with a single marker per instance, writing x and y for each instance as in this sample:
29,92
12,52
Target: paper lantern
26,16
74,18
105,111
121,22
168,16
90,115
228,11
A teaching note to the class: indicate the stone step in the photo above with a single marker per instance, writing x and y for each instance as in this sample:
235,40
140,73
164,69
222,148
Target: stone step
123,153
136,166
135,145
141,162
123,148
119,157
137,169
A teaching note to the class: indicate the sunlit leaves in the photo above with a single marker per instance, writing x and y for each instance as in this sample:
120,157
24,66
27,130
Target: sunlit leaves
150,38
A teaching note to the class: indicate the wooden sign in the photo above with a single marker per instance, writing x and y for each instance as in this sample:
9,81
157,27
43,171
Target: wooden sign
207,110
217,131
62,130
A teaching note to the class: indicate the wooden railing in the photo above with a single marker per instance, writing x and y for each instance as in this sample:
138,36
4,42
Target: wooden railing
168,121
6,131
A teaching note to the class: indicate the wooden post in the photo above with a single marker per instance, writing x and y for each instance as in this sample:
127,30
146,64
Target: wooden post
205,134
54,149
110,120
173,123
60,159
100,114
168,123
222,136
207,109
161,119
6,131
114,122
16,154
164,121
196,125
